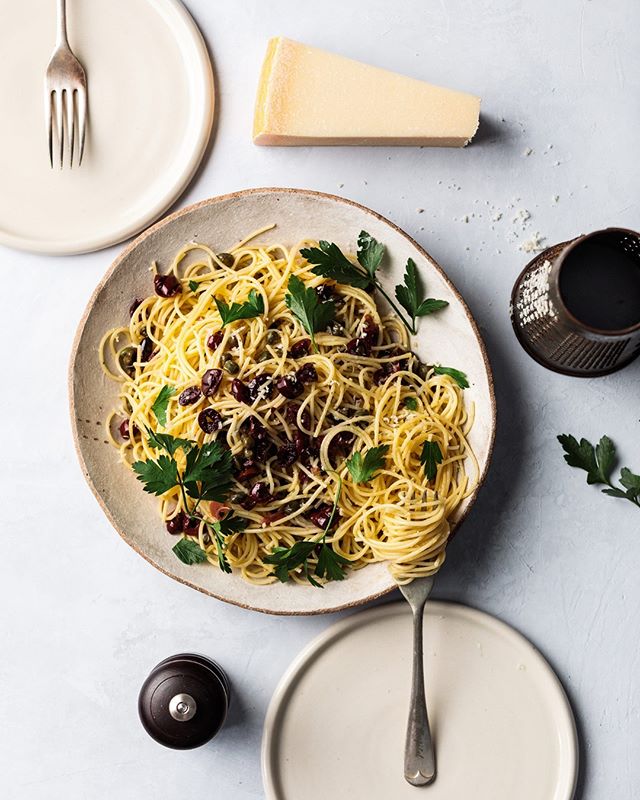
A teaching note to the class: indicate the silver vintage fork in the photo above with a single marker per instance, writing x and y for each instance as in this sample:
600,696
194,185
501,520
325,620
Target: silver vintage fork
65,99
419,755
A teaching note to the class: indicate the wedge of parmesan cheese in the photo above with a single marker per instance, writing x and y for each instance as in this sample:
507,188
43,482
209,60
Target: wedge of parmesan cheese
307,96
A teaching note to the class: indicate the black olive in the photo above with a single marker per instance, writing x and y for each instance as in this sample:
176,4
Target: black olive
166,285
191,526
370,330
134,306
287,454
321,515
190,396
289,386
211,381
324,292
209,420
239,391
300,349
307,374
260,386
260,492
213,342
146,350
265,355
175,525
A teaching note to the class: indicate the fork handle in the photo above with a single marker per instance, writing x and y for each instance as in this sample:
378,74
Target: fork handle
61,33
419,755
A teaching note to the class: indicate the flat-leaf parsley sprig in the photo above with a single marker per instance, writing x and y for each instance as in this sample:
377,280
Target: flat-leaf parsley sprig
598,462
304,303
205,476
253,307
330,565
330,262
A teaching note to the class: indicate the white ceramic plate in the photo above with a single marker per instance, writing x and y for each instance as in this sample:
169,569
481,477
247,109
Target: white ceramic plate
502,723
451,338
151,100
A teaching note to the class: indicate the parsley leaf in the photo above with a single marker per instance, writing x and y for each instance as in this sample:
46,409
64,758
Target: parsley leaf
330,564
411,403
410,295
160,404
305,304
370,253
431,456
189,552
162,441
253,307
207,474
220,530
193,285
286,559
598,462
459,377
330,262
157,476
363,469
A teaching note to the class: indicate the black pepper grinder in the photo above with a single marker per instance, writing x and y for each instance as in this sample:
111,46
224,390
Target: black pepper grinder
184,701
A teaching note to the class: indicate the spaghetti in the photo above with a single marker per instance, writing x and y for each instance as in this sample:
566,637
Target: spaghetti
369,394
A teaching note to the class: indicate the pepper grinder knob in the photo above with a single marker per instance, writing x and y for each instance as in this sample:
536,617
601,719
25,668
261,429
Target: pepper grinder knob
184,701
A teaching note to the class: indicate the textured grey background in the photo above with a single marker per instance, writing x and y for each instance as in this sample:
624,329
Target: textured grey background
84,618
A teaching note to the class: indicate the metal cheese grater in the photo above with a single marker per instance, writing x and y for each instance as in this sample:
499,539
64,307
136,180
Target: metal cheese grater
550,332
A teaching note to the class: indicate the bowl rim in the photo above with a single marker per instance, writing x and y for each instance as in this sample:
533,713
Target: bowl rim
211,201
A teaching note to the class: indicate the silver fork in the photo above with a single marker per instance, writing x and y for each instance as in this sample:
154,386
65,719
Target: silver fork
419,755
65,96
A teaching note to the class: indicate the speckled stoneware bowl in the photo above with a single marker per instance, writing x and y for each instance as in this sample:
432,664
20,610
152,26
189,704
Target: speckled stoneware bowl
450,338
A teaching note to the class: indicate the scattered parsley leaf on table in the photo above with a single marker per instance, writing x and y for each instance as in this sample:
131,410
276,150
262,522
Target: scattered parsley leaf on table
305,304
189,552
459,377
363,469
160,404
598,462
430,457
253,307
410,295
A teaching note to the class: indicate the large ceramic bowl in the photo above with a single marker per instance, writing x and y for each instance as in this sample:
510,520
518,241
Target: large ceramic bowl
450,338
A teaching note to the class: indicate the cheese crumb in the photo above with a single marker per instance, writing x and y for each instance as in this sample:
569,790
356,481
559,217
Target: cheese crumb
534,244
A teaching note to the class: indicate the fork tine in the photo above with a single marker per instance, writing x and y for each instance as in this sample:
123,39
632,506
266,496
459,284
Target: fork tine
71,128
81,96
57,102
49,113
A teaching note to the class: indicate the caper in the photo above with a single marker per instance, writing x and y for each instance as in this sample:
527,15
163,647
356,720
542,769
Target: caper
265,355
237,497
206,539
231,367
127,358
336,329
247,441
422,370
226,258
292,507
272,336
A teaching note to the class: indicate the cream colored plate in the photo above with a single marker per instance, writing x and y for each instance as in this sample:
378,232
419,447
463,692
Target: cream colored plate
450,338
151,101
502,723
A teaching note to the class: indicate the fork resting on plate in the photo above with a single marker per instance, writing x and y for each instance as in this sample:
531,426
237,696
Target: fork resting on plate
65,100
